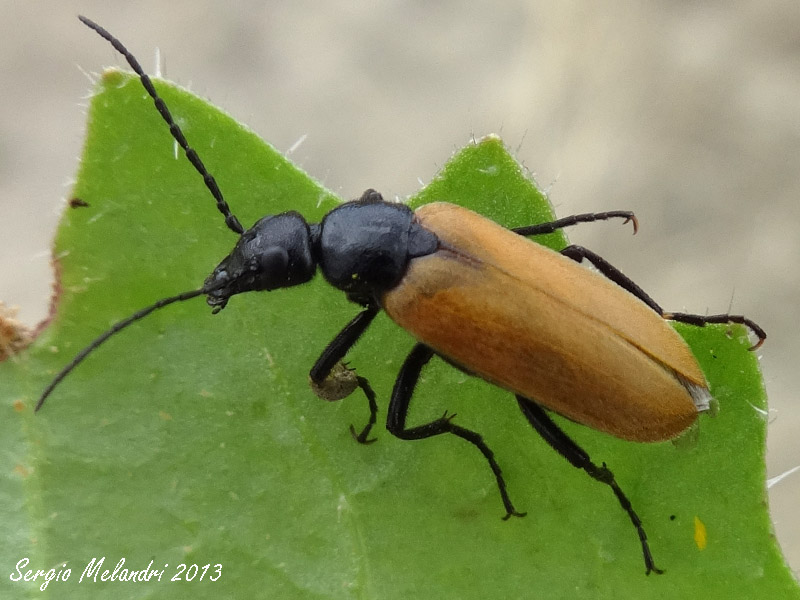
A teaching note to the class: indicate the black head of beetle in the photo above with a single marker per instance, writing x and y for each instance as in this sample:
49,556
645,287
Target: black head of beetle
361,247
274,253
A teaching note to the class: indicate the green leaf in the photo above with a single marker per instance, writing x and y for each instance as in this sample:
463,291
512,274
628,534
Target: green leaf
195,439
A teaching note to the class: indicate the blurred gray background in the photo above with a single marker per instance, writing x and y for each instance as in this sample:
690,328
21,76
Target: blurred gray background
687,113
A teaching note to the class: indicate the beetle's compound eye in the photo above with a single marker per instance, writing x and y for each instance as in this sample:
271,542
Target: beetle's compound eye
271,267
265,270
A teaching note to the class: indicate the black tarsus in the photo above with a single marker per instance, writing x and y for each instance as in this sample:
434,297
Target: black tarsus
120,325
362,437
701,320
230,219
550,227
577,457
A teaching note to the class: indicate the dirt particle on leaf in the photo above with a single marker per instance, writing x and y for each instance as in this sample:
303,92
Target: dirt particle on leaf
77,203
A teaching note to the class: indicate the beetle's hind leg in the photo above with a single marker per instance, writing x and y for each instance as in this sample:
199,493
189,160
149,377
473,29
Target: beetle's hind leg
398,411
578,457
578,253
332,380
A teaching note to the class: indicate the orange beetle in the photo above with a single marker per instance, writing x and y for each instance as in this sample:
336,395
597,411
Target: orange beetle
591,347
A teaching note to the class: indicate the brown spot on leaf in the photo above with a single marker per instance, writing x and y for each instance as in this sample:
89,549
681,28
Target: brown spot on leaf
14,336
77,203
22,471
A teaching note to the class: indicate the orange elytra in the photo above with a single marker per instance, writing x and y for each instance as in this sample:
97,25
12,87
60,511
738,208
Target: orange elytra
536,323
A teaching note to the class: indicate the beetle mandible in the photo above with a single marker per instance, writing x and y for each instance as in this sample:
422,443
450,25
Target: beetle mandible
592,347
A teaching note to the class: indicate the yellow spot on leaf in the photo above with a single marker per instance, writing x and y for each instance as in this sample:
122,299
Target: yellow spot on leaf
700,537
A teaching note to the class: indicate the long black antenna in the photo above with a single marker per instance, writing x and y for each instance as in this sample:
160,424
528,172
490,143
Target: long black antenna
230,220
109,332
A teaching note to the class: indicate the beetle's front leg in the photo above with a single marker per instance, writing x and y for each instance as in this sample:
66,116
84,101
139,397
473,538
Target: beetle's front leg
332,380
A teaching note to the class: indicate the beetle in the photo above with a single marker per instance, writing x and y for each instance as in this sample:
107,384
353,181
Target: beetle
590,346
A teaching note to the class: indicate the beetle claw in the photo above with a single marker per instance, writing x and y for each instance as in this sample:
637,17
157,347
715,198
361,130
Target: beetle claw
514,513
361,438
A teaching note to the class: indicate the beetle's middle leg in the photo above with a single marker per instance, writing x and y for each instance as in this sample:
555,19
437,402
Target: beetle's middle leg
398,411
561,443
332,380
